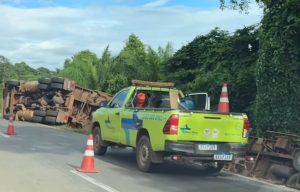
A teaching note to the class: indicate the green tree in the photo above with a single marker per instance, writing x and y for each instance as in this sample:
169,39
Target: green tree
131,61
24,72
209,60
44,72
82,69
104,69
278,66
116,83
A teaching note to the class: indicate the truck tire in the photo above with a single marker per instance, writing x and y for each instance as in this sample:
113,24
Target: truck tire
57,86
143,154
43,86
51,113
44,80
6,117
213,169
58,80
50,120
12,82
294,181
296,160
37,119
99,149
39,113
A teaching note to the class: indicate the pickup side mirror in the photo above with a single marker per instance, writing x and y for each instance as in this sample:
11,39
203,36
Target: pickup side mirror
103,103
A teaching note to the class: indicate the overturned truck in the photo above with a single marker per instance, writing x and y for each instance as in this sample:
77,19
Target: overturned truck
51,101
275,157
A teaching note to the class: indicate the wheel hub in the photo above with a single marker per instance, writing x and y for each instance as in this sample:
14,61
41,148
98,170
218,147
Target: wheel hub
96,141
144,153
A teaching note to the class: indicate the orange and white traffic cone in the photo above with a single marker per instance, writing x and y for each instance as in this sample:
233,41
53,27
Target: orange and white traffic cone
88,162
224,101
11,127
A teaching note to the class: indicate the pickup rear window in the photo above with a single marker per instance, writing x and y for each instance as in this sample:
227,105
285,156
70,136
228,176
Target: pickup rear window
151,99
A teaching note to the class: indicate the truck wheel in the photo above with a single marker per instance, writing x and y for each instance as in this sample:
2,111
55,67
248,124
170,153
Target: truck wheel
143,154
213,170
99,149
296,160
39,113
37,119
58,80
52,113
43,86
50,120
57,86
12,82
44,80
6,117
294,181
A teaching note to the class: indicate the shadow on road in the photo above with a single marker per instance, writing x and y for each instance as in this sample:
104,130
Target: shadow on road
125,159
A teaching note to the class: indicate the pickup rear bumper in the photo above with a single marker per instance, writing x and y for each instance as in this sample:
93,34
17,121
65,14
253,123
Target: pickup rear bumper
193,151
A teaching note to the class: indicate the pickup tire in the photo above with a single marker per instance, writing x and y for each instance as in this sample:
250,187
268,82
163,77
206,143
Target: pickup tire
99,148
143,154
214,170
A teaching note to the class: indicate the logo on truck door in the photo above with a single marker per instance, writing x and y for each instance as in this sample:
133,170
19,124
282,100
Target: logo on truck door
129,124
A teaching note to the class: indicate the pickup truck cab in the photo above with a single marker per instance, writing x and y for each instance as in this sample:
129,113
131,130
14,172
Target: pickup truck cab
161,123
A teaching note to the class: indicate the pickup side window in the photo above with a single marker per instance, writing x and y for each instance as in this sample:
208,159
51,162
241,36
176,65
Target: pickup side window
119,99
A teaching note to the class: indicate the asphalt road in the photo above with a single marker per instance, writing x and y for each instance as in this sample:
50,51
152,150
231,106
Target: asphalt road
40,158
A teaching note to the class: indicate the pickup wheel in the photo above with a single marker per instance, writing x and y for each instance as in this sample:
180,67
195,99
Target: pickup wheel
143,154
99,148
213,170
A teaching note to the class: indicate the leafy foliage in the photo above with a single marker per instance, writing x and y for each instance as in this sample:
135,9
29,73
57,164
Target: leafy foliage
81,68
278,68
209,60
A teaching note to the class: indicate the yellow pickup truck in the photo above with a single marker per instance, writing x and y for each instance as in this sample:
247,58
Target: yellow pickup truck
161,123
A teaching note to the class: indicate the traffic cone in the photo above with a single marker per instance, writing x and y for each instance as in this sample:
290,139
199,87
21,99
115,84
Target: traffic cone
224,101
11,127
87,165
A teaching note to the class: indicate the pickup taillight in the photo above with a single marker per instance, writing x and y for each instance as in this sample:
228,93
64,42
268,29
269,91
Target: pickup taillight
246,127
171,126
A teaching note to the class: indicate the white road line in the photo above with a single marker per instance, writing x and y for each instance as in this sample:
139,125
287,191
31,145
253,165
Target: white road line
93,181
263,182
4,135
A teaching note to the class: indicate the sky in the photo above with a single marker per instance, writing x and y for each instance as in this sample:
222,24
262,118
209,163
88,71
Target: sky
43,33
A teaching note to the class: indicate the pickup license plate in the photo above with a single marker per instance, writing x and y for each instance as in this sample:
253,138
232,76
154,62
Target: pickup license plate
207,147
225,157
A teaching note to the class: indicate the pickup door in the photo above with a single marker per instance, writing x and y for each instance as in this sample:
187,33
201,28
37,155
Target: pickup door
110,117
211,127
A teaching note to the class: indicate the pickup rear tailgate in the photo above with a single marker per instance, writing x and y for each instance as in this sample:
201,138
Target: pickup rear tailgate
213,127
